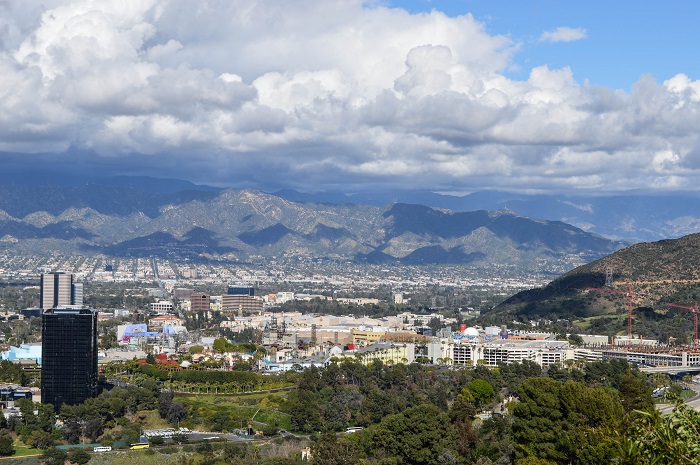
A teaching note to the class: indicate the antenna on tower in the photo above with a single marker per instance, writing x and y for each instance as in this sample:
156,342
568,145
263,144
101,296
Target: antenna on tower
609,277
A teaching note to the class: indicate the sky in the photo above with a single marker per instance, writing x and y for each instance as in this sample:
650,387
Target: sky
452,96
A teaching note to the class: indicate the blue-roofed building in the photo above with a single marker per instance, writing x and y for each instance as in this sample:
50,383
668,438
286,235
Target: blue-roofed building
23,352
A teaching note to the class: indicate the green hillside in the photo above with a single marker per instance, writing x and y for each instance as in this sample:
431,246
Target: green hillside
658,273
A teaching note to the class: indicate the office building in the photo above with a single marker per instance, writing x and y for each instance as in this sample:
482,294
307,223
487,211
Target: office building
240,304
161,307
59,290
240,290
77,294
182,293
69,355
199,302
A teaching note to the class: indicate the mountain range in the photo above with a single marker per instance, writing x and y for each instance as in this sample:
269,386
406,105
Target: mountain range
117,217
630,217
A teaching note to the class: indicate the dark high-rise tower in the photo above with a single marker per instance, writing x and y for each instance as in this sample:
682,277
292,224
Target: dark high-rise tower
69,355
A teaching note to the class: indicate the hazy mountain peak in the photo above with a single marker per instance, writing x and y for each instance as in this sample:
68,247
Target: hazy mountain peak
38,219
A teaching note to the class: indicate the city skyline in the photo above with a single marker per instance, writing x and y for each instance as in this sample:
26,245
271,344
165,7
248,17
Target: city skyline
348,95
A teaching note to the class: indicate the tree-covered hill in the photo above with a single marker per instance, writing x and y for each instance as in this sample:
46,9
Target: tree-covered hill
658,273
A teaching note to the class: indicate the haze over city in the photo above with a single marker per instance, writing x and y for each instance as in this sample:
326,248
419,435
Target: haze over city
355,95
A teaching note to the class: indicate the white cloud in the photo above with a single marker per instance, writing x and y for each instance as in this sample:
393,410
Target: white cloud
563,34
321,95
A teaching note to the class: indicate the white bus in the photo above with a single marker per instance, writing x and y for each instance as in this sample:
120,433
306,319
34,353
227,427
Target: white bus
102,449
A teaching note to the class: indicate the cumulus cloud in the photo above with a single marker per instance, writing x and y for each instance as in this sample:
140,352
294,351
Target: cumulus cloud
324,95
563,34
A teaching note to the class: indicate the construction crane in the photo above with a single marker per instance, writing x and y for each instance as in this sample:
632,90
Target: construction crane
694,308
630,293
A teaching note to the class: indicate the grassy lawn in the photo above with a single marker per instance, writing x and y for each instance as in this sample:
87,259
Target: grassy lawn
585,323
154,421
272,417
22,451
242,408
687,394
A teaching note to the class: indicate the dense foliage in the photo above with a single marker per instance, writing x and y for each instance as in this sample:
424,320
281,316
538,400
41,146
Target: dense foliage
594,413
425,415
246,378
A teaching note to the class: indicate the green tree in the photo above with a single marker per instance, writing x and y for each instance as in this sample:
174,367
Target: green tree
462,408
635,393
515,373
305,411
108,341
6,448
495,440
72,431
221,345
333,450
663,439
592,417
418,435
538,420
566,423
46,417
197,349
79,456
53,456
12,373
482,392
176,413
165,401
532,460
93,428
41,439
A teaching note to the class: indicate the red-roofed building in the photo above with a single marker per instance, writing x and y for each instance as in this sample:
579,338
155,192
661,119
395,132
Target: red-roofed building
162,320
162,359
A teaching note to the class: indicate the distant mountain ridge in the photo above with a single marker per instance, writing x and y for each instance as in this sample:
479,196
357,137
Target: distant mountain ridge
626,217
242,224
629,217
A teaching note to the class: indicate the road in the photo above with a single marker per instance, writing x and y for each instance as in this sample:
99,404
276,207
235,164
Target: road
693,402
201,435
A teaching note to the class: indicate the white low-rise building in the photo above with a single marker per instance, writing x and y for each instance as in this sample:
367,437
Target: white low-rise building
469,353
161,307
